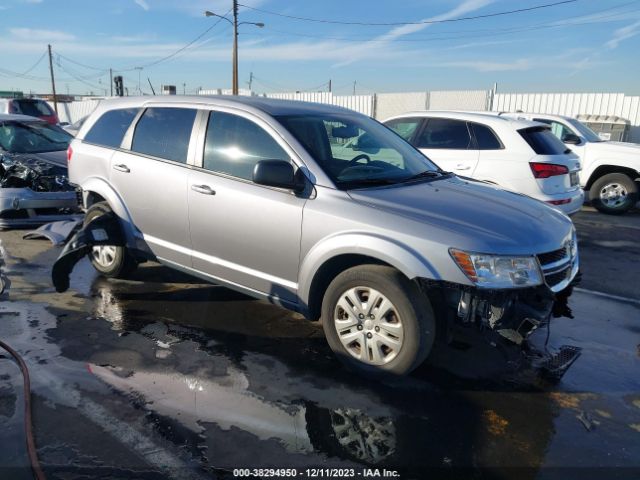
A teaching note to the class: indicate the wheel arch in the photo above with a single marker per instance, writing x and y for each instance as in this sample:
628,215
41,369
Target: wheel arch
96,190
606,169
342,252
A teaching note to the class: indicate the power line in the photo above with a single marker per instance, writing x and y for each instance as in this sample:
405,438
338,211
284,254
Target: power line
422,22
44,54
187,45
460,34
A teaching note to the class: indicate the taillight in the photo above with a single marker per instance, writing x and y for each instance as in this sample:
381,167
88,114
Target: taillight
69,154
546,170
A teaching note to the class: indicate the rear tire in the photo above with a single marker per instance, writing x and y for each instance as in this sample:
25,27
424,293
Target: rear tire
377,321
110,261
614,193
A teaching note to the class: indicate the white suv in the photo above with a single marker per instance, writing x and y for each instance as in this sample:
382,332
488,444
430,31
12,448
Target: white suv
518,155
611,170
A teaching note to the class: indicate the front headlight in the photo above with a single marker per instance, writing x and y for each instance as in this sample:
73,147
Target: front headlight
497,271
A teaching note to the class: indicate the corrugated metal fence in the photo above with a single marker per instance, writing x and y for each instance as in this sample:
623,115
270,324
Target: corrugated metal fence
385,105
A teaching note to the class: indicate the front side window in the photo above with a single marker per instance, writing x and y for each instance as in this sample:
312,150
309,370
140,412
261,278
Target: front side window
443,133
110,128
405,127
32,137
164,133
588,134
234,145
356,151
542,141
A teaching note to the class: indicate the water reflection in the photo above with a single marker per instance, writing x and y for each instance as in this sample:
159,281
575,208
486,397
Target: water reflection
285,388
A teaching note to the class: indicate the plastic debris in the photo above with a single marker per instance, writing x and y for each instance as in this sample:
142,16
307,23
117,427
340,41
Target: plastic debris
57,232
102,230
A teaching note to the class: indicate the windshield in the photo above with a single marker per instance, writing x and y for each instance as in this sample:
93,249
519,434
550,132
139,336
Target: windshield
588,134
32,137
357,151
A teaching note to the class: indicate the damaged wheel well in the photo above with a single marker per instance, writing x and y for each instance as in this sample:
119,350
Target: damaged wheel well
92,198
327,272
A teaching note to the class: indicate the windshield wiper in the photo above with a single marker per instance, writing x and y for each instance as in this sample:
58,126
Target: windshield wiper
426,174
365,182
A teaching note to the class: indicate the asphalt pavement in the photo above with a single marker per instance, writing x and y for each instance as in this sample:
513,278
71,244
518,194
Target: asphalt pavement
165,377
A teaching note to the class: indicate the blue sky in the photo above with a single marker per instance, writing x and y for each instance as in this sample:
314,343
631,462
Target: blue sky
587,45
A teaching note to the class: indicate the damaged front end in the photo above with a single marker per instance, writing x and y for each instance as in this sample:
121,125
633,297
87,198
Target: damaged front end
34,191
506,317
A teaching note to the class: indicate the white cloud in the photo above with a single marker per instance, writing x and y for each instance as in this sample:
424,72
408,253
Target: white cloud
143,4
486,66
622,34
368,49
32,1
32,34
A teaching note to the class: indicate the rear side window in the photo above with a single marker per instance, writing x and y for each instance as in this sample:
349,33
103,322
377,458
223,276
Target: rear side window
110,128
234,145
405,127
445,134
542,141
485,138
34,108
164,133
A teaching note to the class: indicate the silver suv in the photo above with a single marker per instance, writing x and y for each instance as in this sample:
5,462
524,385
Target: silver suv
279,200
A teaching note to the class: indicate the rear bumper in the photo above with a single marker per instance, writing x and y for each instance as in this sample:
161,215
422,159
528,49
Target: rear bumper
574,200
23,207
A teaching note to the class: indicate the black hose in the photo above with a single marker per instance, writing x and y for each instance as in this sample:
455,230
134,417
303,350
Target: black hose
28,425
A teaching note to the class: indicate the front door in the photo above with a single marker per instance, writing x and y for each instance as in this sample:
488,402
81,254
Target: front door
448,143
243,233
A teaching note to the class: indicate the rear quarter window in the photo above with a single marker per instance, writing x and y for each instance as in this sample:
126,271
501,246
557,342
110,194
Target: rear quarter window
542,141
109,129
486,139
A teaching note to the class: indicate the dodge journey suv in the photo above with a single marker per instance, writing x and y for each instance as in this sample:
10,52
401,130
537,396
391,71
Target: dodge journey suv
263,196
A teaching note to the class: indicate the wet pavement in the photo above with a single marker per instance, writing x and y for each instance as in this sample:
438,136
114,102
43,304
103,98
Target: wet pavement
165,377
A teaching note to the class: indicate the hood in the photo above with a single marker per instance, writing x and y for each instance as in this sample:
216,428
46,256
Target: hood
58,158
618,148
474,215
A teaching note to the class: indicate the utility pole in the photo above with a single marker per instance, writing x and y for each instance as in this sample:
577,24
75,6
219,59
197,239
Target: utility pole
139,69
111,80
235,47
329,85
354,86
250,80
53,81
184,88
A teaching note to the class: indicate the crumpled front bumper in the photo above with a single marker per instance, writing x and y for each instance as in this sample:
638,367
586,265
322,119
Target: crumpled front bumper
20,207
511,313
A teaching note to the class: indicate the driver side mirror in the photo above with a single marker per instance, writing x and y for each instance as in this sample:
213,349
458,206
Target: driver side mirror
277,173
571,139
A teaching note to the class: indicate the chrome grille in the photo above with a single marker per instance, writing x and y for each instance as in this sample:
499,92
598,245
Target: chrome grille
557,265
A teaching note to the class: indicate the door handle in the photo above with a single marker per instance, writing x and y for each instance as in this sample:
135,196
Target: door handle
204,189
463,167
121,168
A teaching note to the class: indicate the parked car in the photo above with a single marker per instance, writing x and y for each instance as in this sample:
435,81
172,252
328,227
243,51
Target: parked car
521,156
610,170
34,187
260,195
33,107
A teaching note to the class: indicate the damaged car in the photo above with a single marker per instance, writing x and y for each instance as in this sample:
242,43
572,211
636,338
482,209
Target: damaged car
260,195
34,186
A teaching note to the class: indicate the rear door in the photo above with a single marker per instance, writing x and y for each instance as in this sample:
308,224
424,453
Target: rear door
449,144
241,232
152,179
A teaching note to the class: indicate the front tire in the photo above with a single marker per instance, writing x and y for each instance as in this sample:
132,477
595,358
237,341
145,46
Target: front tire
377,321
110,261
614,193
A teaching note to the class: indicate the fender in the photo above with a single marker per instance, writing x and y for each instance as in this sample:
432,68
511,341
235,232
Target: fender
133,237
388,250
587,173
